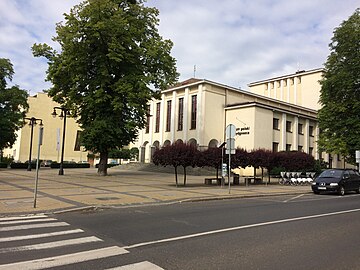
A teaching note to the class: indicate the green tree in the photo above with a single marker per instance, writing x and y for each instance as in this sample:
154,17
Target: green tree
13,106
111,57
339,117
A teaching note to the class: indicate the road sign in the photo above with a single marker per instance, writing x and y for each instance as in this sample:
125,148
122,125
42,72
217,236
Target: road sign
230,131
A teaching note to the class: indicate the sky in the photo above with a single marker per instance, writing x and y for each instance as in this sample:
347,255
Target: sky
232,42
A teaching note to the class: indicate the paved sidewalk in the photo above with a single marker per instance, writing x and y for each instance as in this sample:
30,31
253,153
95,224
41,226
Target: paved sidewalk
79,188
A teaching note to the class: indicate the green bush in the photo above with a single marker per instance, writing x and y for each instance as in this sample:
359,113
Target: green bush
18,165
276,171
67,165
108,165
3,165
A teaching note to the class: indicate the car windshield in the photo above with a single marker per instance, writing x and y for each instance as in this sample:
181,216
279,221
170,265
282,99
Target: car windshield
331,173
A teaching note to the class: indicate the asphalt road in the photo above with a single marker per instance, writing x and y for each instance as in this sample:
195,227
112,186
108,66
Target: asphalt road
284,232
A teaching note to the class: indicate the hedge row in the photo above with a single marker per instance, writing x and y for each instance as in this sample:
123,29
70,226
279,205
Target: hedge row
108,165
22,165
56,165
3,165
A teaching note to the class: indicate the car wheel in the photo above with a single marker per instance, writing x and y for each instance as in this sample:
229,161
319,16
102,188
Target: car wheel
341,191
316,192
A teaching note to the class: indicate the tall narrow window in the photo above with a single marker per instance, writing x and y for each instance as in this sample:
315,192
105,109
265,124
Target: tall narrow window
181,114
168,116
275,147
157,119
147,119
311,131
288,147
300,129
193,111
276,123
288,126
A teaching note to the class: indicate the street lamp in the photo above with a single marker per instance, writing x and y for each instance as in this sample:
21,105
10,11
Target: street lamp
63,114
32,123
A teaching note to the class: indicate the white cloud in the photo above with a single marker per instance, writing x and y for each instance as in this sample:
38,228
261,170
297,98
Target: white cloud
231,42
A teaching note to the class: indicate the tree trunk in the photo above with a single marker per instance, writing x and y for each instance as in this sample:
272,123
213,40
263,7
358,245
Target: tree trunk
254,173
262,174
184,176
102,169
217,173
176,178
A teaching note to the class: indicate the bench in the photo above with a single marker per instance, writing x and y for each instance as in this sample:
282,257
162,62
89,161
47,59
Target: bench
255,180
208,181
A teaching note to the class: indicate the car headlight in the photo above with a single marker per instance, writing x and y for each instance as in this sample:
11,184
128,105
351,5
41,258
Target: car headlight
334,184
313,183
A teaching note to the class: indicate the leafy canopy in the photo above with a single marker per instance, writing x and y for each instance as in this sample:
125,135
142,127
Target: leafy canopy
339,117
13,106
111,55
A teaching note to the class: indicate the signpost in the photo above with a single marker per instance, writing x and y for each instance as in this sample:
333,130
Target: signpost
230,145
41,131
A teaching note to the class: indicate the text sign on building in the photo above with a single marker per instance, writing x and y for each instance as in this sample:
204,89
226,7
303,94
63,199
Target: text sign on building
243,131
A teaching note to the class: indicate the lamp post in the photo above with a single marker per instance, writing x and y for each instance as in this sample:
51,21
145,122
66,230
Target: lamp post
62,116
32,123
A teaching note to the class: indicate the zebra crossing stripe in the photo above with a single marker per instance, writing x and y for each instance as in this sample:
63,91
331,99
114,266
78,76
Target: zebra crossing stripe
42,235
33,226
22,217
26,221
138,266
62,243
65,259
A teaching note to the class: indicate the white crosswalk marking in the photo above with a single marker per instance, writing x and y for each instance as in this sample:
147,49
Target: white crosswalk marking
33,226
55,244
25,221
138,266
65,259
52,240
22,217
41,235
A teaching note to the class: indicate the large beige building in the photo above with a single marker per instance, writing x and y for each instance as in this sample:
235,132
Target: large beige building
276,114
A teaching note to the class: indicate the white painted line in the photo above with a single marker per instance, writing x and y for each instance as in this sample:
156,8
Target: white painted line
138,266
62,243
26,221
240,228
65,259
33,226
294,198
42,235
22,217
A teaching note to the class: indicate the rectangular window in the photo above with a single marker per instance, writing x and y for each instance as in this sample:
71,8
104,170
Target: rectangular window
311,150
147,119
288,126
288,147
193,111
181,114
300,129
276,123
157,119
275,147
168,116
300,148
311,131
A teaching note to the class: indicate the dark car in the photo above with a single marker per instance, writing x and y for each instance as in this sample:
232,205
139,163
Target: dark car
337,180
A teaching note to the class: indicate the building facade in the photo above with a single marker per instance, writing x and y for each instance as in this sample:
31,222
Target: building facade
198,111
41,107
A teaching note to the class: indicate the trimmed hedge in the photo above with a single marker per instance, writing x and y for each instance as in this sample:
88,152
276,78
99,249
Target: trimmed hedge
3,165
108,165
56,165
22,165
